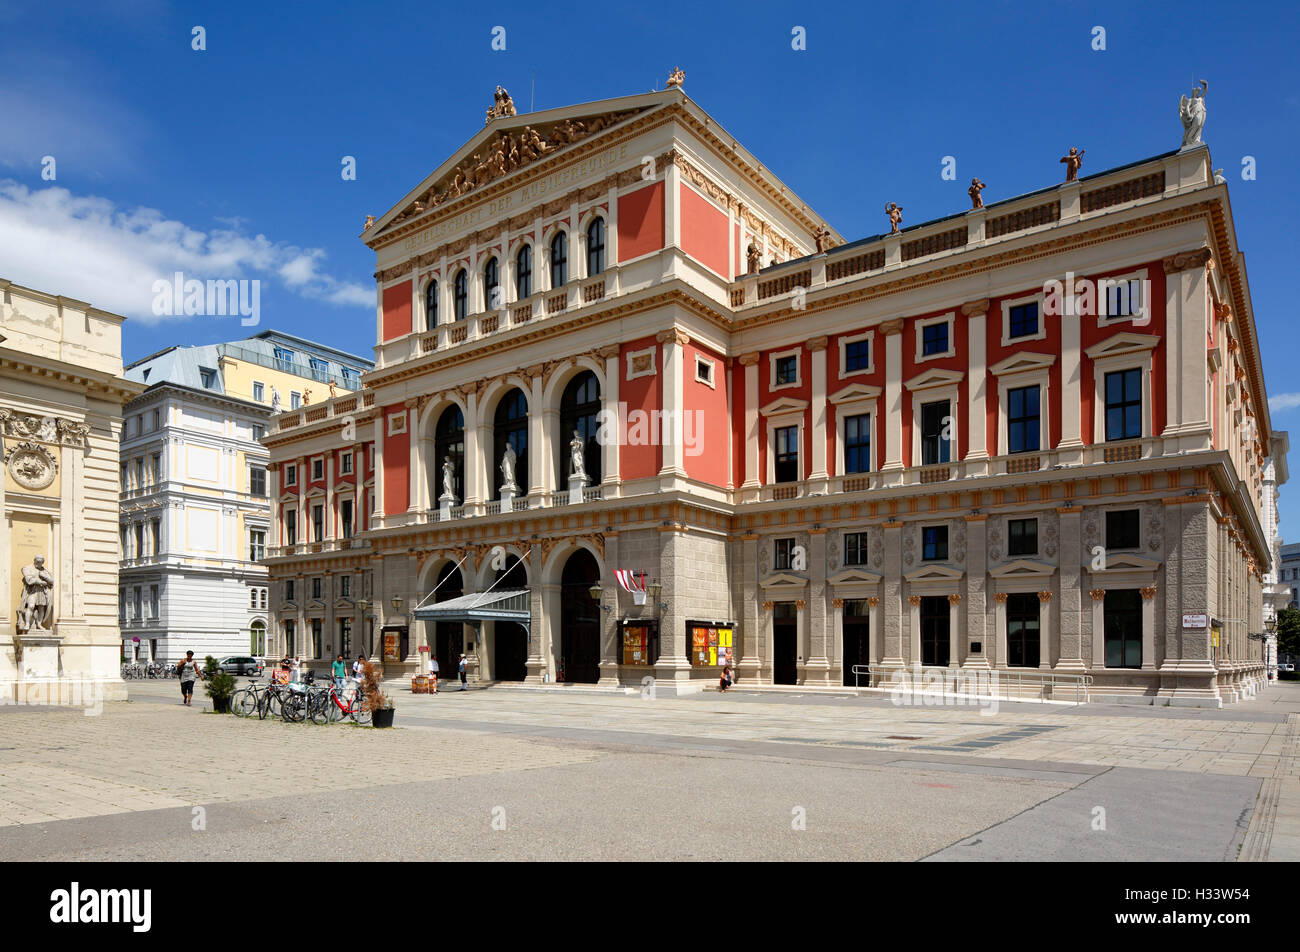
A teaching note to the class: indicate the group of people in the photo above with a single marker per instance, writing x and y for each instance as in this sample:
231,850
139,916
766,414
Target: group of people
435,669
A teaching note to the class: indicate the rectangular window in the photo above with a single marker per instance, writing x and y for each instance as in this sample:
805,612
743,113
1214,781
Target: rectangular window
259,391
290,526
155,463
345,637
1122,620
139,603
155,535
295,400
315,586
787,370
1123,529
318,523
207,377
857,355
1124,299
351,379
787,454
317,469
1022,320
256,545
139,540
1124,405
252,599
934,338
857,443
258,432
345,463
783,548
855,548
157,419
934,543
1022,537
1022,630
284,359
935,432
320,369
291,475
1022,420
257,481
316,639
345,517
290,590
289,632
345,586
153,601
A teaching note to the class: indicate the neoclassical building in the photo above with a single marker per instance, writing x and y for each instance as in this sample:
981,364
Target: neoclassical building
61,397
1028,436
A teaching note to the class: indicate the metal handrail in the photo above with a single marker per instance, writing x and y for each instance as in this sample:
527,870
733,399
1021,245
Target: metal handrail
1047,684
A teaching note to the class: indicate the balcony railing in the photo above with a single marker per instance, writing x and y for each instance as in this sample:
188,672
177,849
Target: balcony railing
589,494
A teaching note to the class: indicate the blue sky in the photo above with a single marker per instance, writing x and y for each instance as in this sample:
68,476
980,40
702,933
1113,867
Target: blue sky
226,162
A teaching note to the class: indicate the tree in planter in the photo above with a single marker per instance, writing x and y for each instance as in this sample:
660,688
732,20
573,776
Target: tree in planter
219,684
374,699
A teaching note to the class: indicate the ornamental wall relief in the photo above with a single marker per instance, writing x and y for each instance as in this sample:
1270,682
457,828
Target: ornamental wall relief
31,466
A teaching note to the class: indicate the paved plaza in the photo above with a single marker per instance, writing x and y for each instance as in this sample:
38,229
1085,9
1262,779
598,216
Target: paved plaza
511,772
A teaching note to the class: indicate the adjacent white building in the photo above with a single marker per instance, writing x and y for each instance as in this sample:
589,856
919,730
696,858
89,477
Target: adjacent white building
1277,591
195,514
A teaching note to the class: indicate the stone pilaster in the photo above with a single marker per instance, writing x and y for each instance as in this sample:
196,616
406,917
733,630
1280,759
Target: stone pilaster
1070,608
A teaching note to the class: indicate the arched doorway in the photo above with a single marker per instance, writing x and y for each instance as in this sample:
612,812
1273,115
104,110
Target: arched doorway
449,636
579,620
510,426
579,411
449,443
510,651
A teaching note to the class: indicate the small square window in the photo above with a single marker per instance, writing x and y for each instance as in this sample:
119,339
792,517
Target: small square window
259,431
207,377
934,543
934,338
857,355
704,371
1123,529
787,370
318,469
1022,320
1022,537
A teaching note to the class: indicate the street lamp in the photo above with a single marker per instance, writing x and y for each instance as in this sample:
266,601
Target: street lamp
397,604
367,634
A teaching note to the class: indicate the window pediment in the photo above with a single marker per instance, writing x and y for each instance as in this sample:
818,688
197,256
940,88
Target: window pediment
1026,362
935,377
1023,568
1126,342
855,392
1126,562
784,405
934,573
786,581
854,576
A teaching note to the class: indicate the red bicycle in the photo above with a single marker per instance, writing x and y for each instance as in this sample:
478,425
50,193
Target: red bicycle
334,705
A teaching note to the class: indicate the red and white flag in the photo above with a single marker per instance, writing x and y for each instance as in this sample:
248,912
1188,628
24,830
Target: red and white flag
630,583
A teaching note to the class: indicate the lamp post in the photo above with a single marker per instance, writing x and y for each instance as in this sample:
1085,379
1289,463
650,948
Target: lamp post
368,636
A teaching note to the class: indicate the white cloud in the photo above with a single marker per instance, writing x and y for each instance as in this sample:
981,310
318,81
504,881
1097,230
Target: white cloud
1283,401
88,248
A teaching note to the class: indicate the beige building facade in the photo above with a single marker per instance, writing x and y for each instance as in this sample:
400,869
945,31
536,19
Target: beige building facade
61,398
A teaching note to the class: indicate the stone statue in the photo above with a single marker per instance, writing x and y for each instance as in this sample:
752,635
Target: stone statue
1218,177
333,390
1192,111
306,396
1073,162
34,609
895,213
676,78
508,460
275,400
754,259
976,199
577,462
448,478
820,236
370,220
502,105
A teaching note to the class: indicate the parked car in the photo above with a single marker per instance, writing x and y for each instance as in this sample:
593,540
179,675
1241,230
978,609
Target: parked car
241,665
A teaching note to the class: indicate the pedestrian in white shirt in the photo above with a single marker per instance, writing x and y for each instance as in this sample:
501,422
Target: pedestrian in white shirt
433,673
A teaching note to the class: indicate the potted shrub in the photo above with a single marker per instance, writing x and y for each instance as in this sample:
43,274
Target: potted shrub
379,704
219,684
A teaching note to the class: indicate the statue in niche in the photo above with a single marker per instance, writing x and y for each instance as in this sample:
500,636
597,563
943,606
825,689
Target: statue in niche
508,460
34,609
448,478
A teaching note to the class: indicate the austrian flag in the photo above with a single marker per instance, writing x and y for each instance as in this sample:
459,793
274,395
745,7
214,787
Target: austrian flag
631,583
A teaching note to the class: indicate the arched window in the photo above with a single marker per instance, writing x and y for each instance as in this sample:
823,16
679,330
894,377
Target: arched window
490,284
510,426
462,295
431,305
449,443
524,272
559,260
595,247
579,409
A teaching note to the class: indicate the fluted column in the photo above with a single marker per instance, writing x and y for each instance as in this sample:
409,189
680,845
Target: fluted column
976,313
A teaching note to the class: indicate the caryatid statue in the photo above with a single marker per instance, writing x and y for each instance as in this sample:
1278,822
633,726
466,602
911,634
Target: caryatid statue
508,460
448,479
577,463
34,609
1191,109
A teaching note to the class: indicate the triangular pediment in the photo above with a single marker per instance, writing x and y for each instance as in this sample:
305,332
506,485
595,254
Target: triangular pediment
934,573
1126,342
1126,562
855,392
288,497
508,144
1024,362
784,405
1023,568
315,492
854,576
786,580
935,377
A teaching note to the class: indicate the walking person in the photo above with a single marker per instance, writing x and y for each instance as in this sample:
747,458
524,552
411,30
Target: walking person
358,667
464,666
293,668
433,674
188,671
340,672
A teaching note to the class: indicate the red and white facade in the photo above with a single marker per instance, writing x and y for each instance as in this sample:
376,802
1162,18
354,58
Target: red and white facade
871,456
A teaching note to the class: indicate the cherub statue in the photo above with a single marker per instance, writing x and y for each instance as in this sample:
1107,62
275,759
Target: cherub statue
1191,109
370,220
976,199
820,236
1073,162
306,396
676,78
753,258
895,213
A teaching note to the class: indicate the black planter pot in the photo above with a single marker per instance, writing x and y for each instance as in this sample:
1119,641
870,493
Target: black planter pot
221,705
383,718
